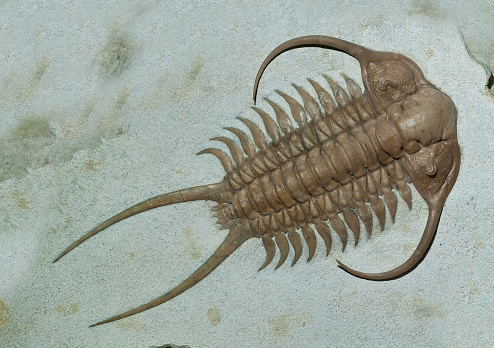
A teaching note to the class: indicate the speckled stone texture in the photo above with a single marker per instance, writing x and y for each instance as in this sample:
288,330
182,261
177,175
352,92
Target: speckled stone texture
105,103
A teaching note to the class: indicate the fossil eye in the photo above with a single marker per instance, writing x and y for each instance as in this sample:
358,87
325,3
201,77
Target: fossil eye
387,85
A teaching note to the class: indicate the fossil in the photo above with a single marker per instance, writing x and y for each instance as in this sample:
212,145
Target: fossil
343,161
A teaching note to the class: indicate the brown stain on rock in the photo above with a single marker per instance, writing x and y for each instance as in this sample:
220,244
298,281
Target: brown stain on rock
479,243
214,316
281,325
121,100
408,248
191,248
156,97
116,54
132,324
475,289
67,310
287,324
19,197
29,90
188,85
423,310
429,53
396,304
4,314
417,307
91,165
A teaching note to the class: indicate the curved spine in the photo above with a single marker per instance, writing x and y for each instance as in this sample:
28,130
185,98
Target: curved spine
338,165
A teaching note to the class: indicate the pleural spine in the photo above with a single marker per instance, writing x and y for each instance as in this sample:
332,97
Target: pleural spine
328,172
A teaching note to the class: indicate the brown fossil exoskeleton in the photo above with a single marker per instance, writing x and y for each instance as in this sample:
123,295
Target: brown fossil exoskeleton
336,167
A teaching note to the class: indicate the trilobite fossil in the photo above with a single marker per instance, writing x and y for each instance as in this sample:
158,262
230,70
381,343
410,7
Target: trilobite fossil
343,160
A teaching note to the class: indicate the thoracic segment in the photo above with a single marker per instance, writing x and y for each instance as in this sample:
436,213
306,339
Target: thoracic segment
331,168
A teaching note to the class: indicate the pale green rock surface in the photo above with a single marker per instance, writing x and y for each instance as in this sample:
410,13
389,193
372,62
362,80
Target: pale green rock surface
104,104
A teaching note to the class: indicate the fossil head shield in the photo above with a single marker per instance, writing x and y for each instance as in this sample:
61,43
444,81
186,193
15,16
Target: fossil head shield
417,126
337,165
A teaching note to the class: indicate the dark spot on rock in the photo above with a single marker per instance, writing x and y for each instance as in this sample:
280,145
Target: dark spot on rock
490,81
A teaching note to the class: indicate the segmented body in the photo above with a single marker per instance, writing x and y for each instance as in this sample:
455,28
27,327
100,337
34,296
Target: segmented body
331,167
336,167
